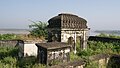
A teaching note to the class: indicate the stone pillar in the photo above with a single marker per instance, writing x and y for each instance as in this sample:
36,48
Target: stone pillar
75,43
84,41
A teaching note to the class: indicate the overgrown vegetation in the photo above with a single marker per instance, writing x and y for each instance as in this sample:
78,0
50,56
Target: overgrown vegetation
9,59
74,57
38,29
97,47
8,36
6,51
19,37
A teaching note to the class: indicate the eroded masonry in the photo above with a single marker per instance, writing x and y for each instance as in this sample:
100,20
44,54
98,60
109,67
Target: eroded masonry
63,32
68,28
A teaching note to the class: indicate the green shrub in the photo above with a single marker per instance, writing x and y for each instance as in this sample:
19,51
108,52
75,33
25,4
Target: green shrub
27,62
38,29
8,51
8,36
74,56
87,52
38,66
9,60
92,64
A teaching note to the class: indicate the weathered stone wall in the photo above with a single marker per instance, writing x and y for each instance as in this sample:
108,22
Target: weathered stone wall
81,34
114,62
66,34
103,39
11,43
58,55
14,43
25,48
100,59
53,53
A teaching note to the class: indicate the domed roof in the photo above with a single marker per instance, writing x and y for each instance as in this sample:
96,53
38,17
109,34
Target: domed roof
64,20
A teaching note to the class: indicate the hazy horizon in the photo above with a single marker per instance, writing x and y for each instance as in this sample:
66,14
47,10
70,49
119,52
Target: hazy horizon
100,15
26,31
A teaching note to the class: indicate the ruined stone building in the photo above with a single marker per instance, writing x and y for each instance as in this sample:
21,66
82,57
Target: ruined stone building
63,32
68,28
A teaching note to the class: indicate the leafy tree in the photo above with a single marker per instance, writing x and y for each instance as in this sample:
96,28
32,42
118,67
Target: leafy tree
38,29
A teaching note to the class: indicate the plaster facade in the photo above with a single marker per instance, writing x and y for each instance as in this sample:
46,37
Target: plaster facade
65,26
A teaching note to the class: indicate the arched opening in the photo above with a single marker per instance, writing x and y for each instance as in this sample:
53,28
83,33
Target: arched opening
54,38
70,40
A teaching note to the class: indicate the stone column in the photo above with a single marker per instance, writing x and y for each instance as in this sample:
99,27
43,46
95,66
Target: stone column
75,43
84,41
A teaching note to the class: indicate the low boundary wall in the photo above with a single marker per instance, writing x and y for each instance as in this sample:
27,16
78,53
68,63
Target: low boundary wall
11,43
101,59
103,39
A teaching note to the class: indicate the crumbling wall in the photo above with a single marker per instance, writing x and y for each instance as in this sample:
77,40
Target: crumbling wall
100,59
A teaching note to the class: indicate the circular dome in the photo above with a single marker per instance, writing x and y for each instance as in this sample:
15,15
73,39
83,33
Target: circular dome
70,21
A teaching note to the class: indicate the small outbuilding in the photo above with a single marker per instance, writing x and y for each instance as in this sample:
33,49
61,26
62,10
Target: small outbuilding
53,52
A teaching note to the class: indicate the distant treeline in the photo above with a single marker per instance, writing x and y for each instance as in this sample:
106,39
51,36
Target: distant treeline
105,38
116,32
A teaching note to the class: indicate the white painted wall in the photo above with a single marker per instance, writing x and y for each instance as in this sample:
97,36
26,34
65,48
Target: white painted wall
30,49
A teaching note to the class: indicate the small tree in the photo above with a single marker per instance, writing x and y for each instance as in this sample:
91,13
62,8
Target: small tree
38,29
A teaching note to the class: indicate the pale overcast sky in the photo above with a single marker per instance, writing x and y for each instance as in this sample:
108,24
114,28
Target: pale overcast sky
100,14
